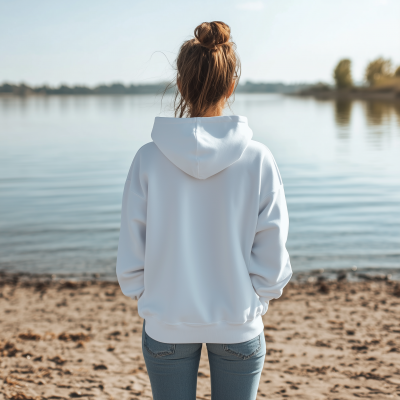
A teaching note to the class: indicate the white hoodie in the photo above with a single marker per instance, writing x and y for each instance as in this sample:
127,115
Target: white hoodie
203,231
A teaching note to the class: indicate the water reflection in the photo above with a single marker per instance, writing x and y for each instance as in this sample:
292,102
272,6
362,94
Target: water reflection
396,107
380,117
343,110
378,113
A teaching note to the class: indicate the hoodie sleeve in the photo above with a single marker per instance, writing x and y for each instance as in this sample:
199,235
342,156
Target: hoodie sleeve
132,238
270,268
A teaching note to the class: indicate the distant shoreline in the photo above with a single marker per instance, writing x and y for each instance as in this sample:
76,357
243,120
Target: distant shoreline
23,90
383,93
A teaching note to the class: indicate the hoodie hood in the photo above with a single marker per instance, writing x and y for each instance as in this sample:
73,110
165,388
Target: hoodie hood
202,146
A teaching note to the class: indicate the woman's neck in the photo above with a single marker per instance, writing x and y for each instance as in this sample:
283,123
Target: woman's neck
216,111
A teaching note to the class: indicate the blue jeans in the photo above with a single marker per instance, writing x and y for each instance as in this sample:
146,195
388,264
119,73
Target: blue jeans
235,368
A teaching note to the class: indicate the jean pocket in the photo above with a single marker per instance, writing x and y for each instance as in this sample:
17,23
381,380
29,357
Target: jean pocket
244,350
158,349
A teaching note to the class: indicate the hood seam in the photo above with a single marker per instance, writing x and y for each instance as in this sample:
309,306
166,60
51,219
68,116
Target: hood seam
220,145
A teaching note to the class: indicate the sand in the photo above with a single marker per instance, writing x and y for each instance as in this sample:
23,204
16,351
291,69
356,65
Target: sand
330,340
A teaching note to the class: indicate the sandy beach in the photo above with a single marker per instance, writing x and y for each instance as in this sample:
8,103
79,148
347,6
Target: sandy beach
325,340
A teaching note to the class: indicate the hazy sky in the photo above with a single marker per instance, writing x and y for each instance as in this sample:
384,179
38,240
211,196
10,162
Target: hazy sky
96,41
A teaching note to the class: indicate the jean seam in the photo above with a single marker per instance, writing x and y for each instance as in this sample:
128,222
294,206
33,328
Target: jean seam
161,354
242,356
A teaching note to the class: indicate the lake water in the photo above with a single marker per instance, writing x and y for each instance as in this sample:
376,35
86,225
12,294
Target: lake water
64,160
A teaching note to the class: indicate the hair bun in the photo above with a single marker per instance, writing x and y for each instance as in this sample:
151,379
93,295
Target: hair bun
212,34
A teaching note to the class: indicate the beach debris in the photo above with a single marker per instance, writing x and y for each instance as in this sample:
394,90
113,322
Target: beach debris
86,327
376,278
10,382
369,375
114,335
140,368
396,290
333,390
268,338
350,332
270,327
335,322
359,348
80,394
62,303
69,285
74,337
323,288
321,343
29,336
49,336
273,351
40,358
8,349
110,348
43,373
372,342
342,276
58,360
41,286
80,344
318,370
22,396
97,367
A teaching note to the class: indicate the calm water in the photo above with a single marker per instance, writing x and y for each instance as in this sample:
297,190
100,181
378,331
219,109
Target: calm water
64,160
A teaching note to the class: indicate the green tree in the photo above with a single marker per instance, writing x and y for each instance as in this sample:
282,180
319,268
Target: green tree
397,72
378,69
342,74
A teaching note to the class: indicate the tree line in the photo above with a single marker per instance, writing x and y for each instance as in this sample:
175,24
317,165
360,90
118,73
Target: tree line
378,71
115,88
156,88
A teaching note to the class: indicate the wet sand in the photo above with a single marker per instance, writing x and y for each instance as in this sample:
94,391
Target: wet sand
329,340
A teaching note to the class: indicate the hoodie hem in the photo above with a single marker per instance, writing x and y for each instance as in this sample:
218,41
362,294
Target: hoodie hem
220,332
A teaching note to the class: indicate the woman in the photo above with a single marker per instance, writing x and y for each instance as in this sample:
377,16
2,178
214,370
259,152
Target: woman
203,231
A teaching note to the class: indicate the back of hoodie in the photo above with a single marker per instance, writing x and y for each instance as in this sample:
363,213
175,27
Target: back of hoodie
204,225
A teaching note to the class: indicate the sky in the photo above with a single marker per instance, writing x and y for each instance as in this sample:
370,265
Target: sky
136,41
